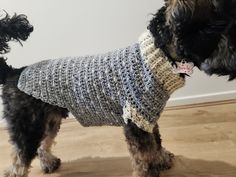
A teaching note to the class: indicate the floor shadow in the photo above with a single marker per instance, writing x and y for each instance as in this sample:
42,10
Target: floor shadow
121,167
97,167
184,167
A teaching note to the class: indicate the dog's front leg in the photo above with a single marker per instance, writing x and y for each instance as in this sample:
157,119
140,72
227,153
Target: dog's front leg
143,150
147,154
164,157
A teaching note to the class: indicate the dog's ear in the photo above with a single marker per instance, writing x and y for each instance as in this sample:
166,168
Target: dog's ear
158,28
185,17
180,13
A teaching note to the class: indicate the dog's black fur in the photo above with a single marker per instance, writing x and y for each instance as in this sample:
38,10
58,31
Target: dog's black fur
180,29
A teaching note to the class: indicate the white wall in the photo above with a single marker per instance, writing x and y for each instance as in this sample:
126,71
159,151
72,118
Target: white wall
79,27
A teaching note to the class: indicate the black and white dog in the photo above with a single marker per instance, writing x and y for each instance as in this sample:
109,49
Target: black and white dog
200,31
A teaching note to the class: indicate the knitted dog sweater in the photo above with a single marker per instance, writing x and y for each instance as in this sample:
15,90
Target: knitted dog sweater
107,89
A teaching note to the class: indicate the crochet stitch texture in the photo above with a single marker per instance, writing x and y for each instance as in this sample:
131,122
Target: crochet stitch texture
107,89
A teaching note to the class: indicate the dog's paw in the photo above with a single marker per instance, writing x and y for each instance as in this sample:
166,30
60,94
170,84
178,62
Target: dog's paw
10,173
48,162
16,170
146,169
7,174
166,159
147,173
51,165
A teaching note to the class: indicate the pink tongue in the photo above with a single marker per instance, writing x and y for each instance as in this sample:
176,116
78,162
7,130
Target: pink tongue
183,67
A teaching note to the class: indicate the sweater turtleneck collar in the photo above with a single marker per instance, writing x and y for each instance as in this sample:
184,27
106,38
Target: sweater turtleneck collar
159,64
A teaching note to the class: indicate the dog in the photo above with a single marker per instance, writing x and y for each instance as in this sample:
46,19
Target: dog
36,98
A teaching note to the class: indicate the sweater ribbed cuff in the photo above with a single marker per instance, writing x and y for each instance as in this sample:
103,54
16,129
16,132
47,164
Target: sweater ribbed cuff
159,64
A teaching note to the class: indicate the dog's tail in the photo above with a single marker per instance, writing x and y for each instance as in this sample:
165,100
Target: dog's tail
15,28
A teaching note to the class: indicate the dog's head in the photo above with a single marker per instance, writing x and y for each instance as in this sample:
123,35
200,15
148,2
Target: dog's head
200,31
223,59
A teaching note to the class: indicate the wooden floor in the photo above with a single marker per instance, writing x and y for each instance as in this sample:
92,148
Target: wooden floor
202,138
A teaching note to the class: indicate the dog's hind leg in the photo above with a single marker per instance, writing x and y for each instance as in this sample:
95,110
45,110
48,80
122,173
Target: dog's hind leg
26,119
29,121
49,163
18,168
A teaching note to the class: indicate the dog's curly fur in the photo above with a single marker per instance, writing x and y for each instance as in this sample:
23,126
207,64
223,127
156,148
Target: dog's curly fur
180,29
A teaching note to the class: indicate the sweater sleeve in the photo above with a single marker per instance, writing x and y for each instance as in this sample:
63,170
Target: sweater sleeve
131,113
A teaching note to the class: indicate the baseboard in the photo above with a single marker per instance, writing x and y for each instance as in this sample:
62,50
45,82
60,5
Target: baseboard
202,98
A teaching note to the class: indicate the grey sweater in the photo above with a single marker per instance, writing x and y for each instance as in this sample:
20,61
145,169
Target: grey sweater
106,89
